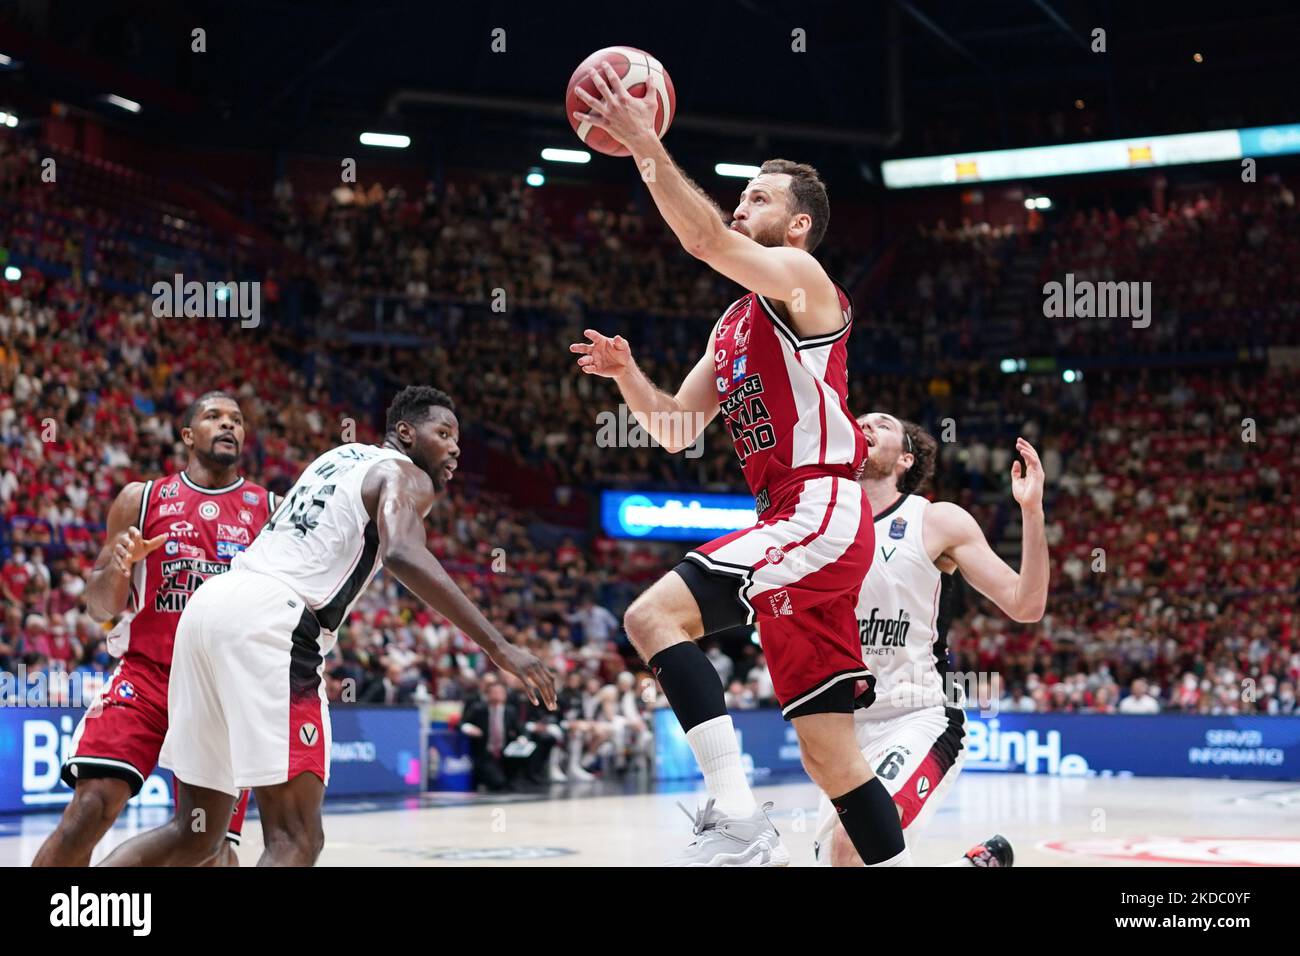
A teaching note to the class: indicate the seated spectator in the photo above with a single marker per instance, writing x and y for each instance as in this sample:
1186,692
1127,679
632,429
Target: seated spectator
1139,700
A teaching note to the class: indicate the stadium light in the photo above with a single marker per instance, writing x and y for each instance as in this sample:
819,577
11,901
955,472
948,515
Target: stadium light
1072,375
13,273
5,60
1042,202
535,177
131,106
11,121
1029,203
736,169
1008,366
391,140
566,155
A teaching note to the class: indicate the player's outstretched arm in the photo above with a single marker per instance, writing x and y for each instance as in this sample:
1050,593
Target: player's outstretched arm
674,421
1022,596
109,586
784,273
400,495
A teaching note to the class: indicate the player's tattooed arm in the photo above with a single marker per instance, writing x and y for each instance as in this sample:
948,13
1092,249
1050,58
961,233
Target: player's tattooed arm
954,534
674,421
398,495
109,586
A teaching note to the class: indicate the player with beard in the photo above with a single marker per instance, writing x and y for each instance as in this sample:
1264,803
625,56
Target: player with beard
914,733
165,537
776,368
248,708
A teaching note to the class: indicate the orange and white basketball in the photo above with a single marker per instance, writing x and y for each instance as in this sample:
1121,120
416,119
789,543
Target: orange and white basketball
641,73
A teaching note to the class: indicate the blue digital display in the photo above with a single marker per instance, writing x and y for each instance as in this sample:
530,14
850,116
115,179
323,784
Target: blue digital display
669,516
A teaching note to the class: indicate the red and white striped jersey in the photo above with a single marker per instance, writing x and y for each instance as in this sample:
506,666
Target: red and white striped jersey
785,398
205,528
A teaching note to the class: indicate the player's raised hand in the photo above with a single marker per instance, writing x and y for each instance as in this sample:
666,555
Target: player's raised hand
538,681
606,356
131,546
619,113
1027,488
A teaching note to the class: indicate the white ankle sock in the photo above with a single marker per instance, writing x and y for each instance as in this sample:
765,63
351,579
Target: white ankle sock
718,754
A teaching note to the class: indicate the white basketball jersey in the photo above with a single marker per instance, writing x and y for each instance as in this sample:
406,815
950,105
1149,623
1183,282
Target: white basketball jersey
320,541
898,616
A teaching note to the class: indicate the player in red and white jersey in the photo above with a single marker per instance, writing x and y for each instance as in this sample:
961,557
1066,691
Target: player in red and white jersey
775,366
165,538
914,733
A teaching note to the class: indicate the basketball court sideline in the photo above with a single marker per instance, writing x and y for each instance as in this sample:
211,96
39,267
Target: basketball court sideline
1051,821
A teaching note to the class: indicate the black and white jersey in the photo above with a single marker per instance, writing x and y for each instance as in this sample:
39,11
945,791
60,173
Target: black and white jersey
320,541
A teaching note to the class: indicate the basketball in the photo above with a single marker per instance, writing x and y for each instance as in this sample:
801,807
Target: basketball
641,73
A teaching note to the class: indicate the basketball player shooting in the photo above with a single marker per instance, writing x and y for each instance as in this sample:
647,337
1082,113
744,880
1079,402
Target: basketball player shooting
914,735
248,706
775,366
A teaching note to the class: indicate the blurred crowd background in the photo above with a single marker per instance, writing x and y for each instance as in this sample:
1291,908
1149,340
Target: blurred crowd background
1170,451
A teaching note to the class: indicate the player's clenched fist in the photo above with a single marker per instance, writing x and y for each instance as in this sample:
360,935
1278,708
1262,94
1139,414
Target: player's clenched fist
131,546
603,355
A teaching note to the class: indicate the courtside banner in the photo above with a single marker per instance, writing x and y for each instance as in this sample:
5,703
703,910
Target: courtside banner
376,750
1161,745
1058,745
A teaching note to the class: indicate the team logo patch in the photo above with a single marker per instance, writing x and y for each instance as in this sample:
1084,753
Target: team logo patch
183,529
228,549
722,384
209,510
190,551
308,734
171,509
171,548
126,690
898,528
923,787
233,532
738,367
169,491
742,335
775,555
781,605
245,516
720,358
251,497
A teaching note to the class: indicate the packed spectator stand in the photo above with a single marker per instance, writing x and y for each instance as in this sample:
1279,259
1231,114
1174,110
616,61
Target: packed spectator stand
1174,527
